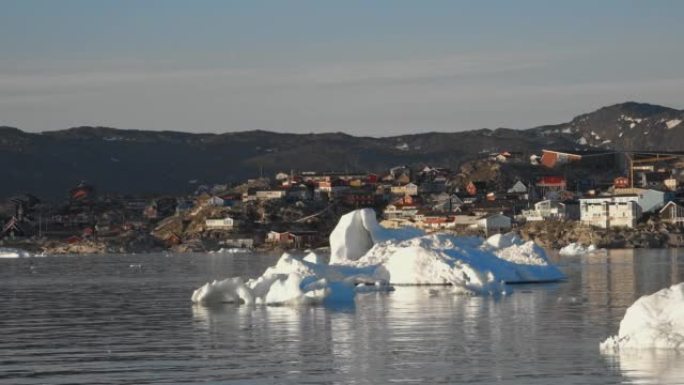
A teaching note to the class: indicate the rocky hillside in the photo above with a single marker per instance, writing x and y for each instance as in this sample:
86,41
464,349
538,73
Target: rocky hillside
132,161
627,126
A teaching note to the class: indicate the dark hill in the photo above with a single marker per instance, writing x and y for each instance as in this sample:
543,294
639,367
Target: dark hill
134,161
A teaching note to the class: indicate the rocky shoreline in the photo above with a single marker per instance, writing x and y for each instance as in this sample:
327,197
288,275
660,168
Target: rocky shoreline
548,234
557,234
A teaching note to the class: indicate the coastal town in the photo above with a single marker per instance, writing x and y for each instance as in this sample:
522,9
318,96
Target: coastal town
607,198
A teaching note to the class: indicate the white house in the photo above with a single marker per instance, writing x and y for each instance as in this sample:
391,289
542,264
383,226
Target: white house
411,189
263,195
551,209
226,223
400,211
215,201
609,212
494,223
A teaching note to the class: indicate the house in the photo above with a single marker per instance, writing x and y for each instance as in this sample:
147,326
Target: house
495,223
552,158
13,228
241,241
432,222
551,209
264,195
672,213
359,198
410,189
400,210
518,188
226,223
297,239
609,212
445,203
648,199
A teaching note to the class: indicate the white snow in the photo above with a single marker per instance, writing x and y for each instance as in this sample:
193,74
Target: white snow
402,147
653,321
577,249
672,123
582,141
6,252
368,257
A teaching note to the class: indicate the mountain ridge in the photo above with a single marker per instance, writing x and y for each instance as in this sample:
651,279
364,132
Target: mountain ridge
139,161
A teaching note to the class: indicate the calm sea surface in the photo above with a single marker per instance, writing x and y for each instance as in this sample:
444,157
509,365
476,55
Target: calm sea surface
129,320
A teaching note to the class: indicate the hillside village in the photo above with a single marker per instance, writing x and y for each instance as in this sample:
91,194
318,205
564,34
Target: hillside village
604,197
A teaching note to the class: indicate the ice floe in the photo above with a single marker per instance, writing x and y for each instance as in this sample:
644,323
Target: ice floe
365,256
653,321
6,252
576,249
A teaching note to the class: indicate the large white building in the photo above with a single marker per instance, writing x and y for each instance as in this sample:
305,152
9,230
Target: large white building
623,208
495,223
610,212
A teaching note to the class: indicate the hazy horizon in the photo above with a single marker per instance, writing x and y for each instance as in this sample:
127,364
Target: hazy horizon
372,69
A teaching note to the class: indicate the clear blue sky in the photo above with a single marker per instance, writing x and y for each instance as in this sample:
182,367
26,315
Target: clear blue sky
363,67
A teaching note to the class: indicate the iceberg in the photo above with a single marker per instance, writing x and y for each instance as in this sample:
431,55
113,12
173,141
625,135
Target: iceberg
6,252
653,321
576,249
365,256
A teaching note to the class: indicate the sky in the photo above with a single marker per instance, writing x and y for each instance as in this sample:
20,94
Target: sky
375,68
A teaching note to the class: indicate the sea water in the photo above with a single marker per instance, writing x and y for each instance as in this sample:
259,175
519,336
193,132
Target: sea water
114,319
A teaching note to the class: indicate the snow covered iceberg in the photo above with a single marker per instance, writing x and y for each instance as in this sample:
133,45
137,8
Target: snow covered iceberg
365,256
653,321
408,256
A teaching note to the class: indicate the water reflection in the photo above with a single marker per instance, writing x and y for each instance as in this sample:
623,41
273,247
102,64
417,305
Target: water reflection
651,366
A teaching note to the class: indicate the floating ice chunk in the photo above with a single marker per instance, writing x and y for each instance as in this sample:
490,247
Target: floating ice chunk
6,252
653,321
230,250
292,281
576,249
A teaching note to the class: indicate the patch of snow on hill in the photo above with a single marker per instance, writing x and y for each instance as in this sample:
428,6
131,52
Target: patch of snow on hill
672,123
